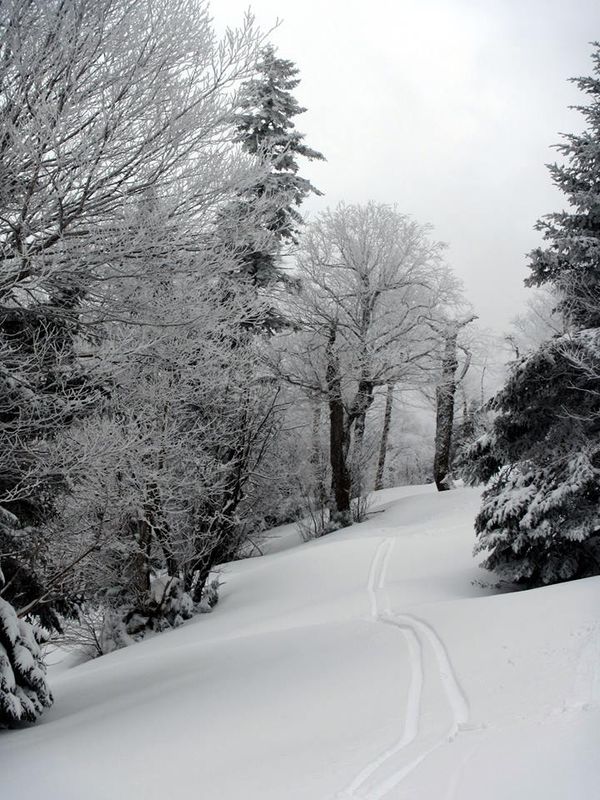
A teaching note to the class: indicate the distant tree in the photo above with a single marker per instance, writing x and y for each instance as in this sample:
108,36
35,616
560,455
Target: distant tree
539,322
540,519
372,282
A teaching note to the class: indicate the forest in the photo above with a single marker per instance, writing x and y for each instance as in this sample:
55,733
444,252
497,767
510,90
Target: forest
189,360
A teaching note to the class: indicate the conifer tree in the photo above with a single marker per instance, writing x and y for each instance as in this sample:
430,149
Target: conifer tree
24,692
540,519
570,262
266,130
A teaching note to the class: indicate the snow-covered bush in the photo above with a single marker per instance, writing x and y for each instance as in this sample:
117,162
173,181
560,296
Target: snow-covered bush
166,606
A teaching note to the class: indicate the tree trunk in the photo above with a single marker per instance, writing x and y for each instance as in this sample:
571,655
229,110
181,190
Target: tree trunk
385,435
341,513
160,526
445,393
357,455
137,568
361,405
316,457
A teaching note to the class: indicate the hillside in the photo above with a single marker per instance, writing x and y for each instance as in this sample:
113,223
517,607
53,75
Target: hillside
372,663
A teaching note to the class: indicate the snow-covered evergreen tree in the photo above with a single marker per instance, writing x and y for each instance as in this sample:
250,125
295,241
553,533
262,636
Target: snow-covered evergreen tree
570,261
540,519
24,692
265,128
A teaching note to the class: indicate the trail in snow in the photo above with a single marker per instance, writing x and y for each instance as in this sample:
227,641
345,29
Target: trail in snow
411,724
454,785
454,693
377,572
415,631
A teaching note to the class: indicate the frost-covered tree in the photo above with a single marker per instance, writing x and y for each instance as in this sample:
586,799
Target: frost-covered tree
24,692
570,260
372,282
540,519
105,108
165,470
266,130
539,322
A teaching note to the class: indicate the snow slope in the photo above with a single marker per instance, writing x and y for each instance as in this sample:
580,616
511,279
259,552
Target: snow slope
368,664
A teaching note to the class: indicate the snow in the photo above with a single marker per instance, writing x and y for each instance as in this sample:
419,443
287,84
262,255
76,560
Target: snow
371,663
9,621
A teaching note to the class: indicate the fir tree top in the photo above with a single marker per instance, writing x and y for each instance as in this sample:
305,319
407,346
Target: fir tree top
264,218
268,107
266,129
571,259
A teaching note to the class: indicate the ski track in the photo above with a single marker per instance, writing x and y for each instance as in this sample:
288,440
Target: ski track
415,631
453,787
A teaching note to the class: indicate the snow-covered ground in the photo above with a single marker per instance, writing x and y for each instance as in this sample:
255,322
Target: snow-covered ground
369,664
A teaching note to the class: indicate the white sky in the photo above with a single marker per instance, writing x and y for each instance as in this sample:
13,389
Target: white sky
447,108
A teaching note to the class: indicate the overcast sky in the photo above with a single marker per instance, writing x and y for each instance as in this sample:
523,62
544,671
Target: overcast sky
447,108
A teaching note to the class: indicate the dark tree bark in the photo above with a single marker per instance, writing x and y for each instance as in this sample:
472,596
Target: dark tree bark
138,566
341,483
385,435
344,426
358,418
444,419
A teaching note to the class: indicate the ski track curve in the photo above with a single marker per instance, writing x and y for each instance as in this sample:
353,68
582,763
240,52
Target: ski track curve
453,690
415,631
454,785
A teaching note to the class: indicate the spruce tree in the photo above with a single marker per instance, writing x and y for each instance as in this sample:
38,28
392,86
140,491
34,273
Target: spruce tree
265,129
570,261
24,692
540,519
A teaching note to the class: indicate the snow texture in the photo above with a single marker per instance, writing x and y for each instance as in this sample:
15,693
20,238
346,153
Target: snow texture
371,663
